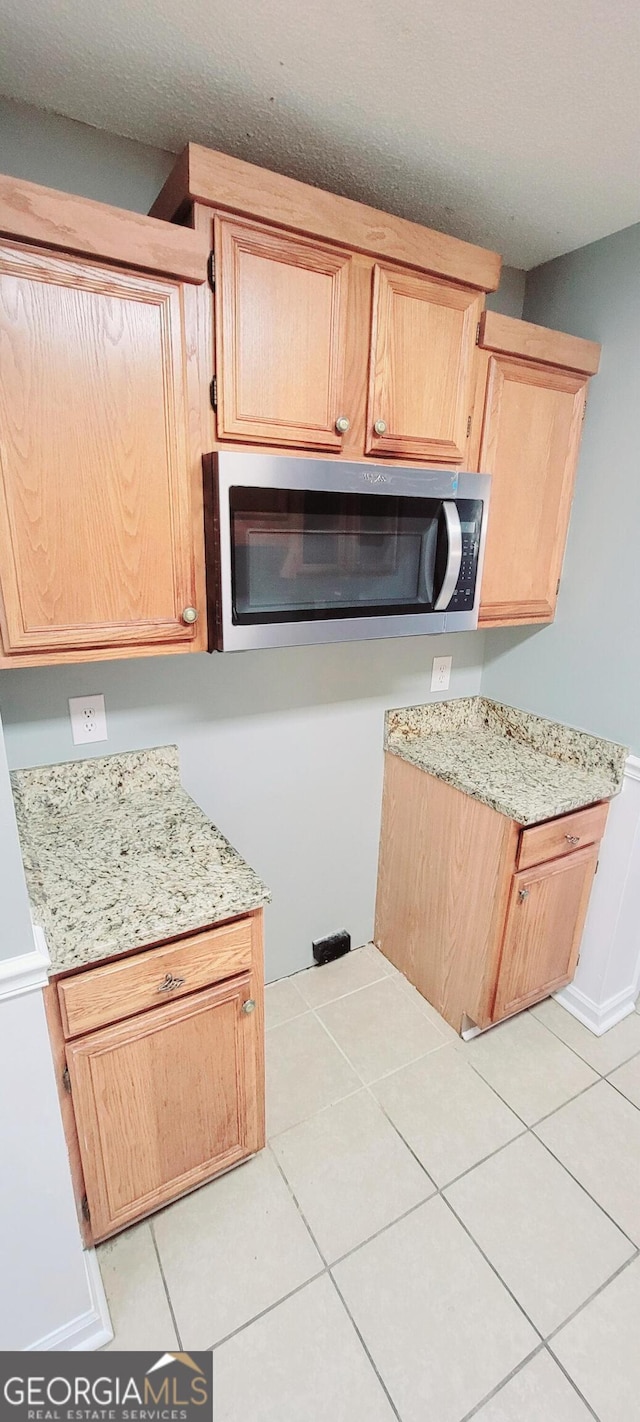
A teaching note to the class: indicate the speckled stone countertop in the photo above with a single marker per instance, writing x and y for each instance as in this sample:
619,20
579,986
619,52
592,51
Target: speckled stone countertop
118,856
522,765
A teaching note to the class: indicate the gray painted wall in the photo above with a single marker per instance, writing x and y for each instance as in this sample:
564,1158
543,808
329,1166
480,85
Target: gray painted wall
60,153
282,749
509,298
585,668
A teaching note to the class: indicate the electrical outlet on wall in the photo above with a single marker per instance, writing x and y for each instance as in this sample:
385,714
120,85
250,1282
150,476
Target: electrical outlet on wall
441,673
88,719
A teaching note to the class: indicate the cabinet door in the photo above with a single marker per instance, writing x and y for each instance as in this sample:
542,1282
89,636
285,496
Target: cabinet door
545,919
97,541
165,1100
421,367
281,320
531,432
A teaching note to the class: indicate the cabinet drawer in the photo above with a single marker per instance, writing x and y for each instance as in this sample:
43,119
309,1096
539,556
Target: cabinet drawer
128,985
561,836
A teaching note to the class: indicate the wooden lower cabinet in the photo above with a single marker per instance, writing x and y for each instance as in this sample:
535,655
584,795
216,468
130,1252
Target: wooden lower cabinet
167,1098
478,937
545,919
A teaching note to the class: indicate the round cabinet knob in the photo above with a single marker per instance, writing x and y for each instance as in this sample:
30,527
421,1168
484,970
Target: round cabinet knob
342,424
380,427
523,894
190,614
249,1006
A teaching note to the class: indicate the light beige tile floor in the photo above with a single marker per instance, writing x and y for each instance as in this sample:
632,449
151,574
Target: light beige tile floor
437,1230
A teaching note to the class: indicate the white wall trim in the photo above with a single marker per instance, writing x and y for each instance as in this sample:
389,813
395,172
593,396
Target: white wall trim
632,767
89,1330
598,1017
28,971
607,980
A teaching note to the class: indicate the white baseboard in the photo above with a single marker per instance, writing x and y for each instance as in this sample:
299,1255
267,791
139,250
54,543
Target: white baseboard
598,1017
607,979
89,1330
28,971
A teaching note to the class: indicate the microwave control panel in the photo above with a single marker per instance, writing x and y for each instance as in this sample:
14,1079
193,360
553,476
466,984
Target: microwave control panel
470,511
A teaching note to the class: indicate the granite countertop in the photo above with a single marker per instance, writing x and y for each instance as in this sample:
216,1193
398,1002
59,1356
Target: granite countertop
522,765
117,856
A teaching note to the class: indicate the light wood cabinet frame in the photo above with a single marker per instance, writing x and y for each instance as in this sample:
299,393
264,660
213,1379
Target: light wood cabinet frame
87,485
159,1101
261,361
448,909
421,366
203,175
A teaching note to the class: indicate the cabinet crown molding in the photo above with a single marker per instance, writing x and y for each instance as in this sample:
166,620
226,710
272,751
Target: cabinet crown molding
231,185
509,336
81,227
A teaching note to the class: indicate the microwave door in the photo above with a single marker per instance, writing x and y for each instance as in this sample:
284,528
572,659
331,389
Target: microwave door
448,554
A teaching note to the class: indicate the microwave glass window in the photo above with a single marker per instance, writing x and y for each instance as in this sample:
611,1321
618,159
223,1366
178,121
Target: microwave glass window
301,554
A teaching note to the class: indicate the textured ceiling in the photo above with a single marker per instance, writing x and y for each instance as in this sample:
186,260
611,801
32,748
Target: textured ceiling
513,125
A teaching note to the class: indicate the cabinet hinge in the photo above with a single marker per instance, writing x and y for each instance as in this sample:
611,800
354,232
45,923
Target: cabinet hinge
468,425
84,1206
213,391
66,1080
584,409
211,270
478,334
557,587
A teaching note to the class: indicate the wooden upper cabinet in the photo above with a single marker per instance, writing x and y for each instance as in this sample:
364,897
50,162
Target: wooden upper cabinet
421,367
281,324
99,460
545,919
101,539
529,421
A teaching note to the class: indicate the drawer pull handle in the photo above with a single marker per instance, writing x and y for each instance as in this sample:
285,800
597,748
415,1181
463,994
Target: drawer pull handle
572,838
249,1005
170,984
523,894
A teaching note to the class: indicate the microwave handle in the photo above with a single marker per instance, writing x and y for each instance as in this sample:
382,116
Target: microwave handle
454,556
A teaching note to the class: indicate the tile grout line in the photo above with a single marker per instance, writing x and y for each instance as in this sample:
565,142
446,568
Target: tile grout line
617,1088
297,1204
600,1289
275,1135
586,1192
386,1074
576,1053
365,1348
488,1397
574,1384
164,1282
264,1311
382,1230
494,1270
439,1190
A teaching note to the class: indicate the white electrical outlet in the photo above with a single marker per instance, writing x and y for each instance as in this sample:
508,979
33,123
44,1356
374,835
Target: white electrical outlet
440,673
88,719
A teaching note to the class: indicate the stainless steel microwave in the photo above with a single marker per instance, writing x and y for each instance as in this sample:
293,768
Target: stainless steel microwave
312,550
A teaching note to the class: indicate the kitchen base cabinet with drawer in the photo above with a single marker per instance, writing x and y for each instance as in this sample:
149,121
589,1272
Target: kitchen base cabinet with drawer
483,916
158,1099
